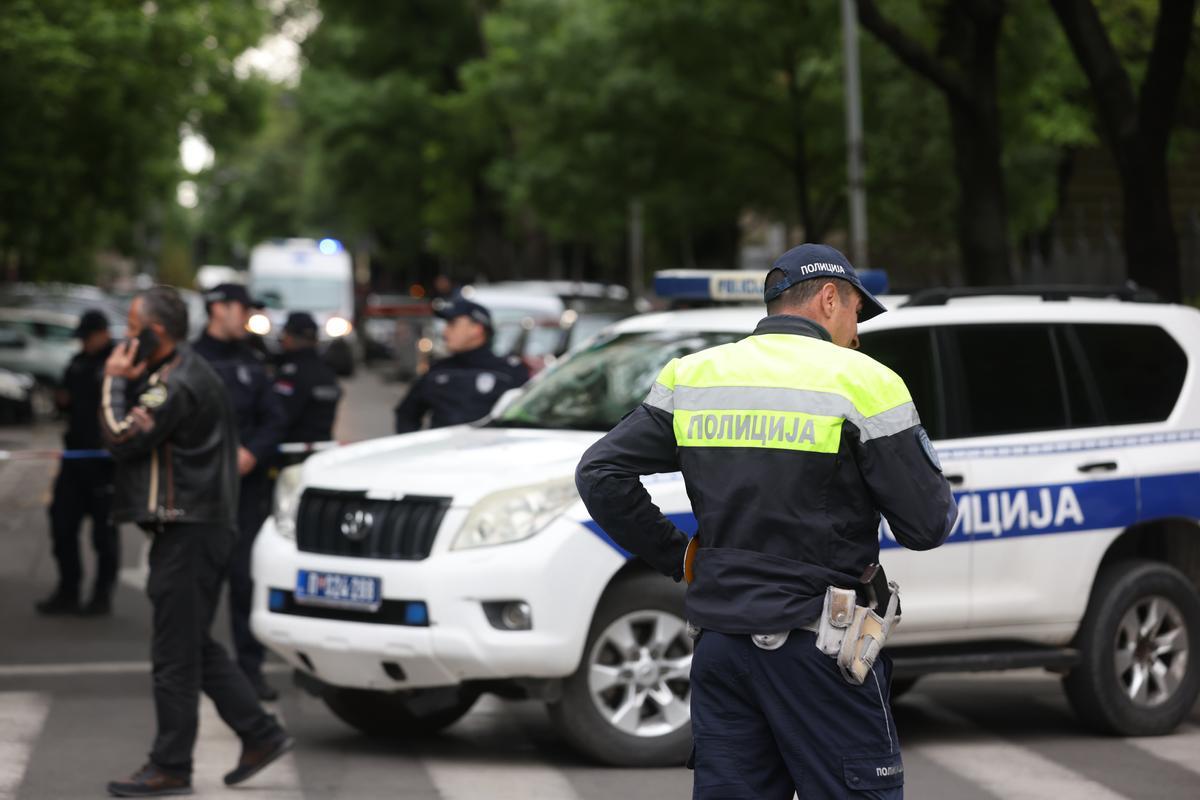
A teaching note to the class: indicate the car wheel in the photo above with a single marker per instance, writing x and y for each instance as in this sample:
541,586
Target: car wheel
398,715
628,702
41,400
1136,676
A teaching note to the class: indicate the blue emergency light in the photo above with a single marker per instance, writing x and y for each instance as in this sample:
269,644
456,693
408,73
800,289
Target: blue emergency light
329,246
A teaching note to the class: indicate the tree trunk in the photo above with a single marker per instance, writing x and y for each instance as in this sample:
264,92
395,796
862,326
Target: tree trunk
1137,130
964,70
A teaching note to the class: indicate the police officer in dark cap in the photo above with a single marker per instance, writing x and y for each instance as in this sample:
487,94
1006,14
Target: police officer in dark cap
261,422
84,486
307,387
466,385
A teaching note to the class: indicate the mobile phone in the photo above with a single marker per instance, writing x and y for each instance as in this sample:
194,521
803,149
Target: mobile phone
147,344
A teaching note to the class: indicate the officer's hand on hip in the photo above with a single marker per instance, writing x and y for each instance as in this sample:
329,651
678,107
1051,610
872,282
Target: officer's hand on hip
246,461
120,363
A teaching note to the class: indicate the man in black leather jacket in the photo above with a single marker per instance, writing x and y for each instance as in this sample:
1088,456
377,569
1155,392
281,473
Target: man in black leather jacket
166,418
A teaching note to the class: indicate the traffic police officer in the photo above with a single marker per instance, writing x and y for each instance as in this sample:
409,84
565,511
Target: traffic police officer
84,486
260,422
307,387
790,444
465,386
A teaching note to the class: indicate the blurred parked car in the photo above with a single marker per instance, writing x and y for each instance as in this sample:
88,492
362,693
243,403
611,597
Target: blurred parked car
399,329
41,344
67,298
16,397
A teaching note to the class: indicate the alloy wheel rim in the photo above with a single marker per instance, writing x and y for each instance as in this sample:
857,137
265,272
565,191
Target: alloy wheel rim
1151,651
639,674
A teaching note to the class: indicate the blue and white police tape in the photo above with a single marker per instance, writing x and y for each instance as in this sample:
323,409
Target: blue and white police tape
289,448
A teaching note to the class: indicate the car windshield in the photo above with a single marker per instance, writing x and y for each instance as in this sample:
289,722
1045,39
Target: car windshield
597,386
300,294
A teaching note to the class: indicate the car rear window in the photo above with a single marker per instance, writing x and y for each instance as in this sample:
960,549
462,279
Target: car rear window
1138,370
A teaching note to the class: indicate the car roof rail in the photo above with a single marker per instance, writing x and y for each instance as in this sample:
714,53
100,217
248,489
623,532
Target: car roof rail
1128,292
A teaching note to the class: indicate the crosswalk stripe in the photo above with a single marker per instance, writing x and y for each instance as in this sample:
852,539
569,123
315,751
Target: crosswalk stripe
492,728
217,751
1181,748
22,715
1007,770
470,780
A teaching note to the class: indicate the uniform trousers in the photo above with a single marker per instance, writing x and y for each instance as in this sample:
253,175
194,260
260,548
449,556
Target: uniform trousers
770,723
188,564
84,488
254,506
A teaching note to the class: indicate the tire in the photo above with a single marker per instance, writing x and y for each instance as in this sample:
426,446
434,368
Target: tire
1134,604
638,617
396,715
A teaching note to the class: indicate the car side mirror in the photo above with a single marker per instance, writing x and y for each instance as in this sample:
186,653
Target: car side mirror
505,401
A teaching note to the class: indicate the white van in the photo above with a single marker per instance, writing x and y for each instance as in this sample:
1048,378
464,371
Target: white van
307,275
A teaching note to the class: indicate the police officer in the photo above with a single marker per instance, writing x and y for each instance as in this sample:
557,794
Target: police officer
167,419
84,485
260,422
790,444
466,385
307,387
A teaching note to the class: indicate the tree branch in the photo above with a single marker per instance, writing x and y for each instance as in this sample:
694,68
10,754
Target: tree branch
1111,88
1164,75
911,53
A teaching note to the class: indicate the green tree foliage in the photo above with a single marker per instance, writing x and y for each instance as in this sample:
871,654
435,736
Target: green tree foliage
95,93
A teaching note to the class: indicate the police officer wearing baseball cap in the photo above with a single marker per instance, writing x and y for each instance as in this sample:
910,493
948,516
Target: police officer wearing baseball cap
260,421
791,444
466,385
84,486
307,387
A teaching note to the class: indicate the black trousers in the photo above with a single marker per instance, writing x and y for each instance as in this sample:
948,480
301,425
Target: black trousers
188,564
254,506
772,723
84,488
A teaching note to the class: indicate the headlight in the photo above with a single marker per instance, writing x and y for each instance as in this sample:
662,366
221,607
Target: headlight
259,324
287,500
515,514
336,326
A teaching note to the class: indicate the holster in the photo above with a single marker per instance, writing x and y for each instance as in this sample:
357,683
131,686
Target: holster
855,634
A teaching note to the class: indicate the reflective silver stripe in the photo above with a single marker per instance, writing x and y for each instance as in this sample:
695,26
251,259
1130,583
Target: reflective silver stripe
661,397
802,401
886,423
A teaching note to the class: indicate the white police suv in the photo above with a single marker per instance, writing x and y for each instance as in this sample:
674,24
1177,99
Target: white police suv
404,576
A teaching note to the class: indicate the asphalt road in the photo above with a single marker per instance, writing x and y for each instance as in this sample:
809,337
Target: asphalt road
75,707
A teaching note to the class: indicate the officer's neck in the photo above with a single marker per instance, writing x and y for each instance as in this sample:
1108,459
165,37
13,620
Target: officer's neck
795,324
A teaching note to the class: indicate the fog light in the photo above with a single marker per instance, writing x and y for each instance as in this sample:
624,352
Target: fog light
509,615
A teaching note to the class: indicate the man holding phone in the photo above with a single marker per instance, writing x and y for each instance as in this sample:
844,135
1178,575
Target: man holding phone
167,420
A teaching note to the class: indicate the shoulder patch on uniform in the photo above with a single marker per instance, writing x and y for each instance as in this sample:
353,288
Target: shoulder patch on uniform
485,382
927,448
154,396
284,388
288,369
244,375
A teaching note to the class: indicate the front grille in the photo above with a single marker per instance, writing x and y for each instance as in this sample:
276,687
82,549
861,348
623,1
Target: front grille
351,524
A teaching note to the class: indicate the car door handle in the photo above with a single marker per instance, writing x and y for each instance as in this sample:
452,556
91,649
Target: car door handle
956,480
1098,466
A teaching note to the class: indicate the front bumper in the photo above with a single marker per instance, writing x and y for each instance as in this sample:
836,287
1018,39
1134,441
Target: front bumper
561,573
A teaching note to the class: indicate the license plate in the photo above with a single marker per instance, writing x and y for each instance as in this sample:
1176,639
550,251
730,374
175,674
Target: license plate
336,590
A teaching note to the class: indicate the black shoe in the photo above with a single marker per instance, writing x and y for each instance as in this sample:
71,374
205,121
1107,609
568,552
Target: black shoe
256,757
57,604
266,693
150,781
98,607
